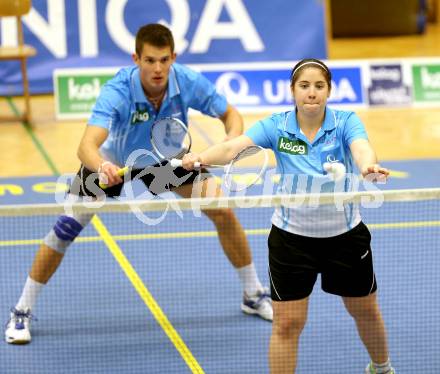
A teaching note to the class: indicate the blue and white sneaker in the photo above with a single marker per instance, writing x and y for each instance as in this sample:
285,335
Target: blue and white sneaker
18,327
371,370
259,304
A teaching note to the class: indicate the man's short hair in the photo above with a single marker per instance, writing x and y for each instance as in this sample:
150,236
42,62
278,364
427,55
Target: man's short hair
154,34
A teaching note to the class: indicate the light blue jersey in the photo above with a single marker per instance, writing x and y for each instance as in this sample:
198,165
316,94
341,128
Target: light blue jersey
124,111
300,164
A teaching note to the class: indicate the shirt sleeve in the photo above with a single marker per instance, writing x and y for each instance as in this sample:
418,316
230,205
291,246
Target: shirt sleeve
354,129
263,132
205,98
105,111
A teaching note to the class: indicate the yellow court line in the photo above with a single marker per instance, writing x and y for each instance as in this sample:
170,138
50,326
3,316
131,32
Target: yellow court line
89,239
146,296
20,243
206,234
399,225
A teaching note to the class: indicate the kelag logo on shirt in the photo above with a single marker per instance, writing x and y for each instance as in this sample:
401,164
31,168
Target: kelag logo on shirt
139,116
294,147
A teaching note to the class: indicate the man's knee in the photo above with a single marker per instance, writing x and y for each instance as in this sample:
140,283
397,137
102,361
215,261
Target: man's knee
221,216
65,231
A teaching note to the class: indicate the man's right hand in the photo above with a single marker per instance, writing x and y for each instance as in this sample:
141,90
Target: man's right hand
108,174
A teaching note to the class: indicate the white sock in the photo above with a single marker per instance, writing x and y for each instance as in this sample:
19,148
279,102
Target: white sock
249,279
383,368
29,295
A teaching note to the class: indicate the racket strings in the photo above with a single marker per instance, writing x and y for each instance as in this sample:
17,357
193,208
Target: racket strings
170,138
184,150
250,157
249,151
246,168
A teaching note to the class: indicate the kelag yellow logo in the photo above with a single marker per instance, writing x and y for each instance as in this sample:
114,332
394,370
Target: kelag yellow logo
293,147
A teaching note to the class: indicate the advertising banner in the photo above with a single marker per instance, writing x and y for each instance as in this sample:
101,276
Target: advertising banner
386,85
426,78
101,33
76,90
249,87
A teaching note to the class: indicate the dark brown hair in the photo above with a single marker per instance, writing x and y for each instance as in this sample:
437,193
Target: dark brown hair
154,34
307,63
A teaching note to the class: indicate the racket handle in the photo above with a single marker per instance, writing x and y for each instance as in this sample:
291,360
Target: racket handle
121,172
175,163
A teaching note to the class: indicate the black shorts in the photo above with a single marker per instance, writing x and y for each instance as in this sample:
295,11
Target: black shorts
157,178
345,263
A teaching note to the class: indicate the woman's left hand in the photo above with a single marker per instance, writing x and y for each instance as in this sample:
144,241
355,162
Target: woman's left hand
375,173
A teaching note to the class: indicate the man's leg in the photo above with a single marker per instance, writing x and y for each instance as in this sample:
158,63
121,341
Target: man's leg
289,320
231,234
235,246
46,262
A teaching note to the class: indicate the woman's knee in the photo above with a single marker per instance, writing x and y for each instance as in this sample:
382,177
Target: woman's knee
365,309
288,327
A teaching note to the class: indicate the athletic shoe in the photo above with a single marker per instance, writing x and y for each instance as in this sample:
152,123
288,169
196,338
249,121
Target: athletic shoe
259,304
17,328
371,370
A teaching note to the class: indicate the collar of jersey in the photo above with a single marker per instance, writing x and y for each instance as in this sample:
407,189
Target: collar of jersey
292,127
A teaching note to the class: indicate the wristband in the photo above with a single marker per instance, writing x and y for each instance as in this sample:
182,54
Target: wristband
102,164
